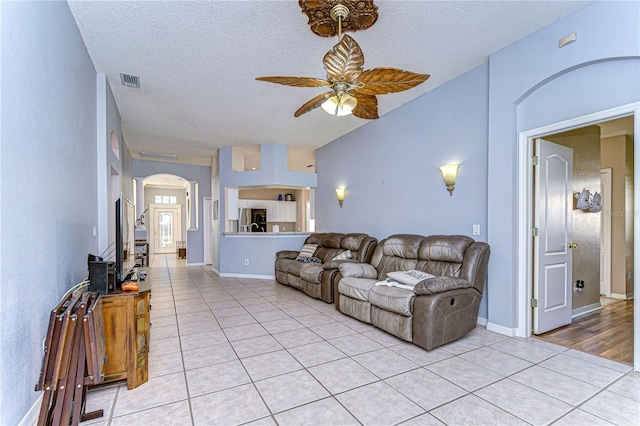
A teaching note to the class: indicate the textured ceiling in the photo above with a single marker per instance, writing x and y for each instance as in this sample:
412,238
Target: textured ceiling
197,62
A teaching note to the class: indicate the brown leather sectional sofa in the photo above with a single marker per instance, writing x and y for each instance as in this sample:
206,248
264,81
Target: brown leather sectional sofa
318,279
437,310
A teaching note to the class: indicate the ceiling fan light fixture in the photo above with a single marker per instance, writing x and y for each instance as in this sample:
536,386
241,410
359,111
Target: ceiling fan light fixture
340,104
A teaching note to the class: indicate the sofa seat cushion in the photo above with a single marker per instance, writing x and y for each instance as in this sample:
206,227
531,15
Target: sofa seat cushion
311,272
356,288
394,299
294,267
282,265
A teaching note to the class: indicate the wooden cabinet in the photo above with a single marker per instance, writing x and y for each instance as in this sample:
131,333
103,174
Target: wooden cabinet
126,334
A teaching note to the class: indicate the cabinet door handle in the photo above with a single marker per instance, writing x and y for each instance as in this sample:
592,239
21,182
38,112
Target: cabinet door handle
572,245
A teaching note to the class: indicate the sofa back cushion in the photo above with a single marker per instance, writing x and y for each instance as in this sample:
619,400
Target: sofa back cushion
442,255
331,244
437,255
361,246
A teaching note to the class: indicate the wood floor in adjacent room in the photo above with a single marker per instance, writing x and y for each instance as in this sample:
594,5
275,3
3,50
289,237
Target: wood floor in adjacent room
607,333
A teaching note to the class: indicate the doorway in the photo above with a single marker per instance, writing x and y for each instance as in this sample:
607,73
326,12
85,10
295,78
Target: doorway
527,210
167,227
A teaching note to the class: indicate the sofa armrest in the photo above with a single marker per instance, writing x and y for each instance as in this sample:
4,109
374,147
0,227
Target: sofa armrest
335,264
286,254
358,270
440,285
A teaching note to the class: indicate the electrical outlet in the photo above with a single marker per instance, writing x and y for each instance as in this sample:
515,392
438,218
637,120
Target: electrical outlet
476,229
246,262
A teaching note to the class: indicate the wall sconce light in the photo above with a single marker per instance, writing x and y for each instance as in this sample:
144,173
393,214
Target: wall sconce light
340,195
450,174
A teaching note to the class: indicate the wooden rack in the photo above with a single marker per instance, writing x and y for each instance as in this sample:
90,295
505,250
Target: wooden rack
73,359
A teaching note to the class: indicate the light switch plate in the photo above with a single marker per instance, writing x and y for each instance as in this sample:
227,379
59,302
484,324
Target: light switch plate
476,229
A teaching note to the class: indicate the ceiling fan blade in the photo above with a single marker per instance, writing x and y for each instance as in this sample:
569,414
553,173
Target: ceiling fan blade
296,81
367,107
345,60
379,81
312,104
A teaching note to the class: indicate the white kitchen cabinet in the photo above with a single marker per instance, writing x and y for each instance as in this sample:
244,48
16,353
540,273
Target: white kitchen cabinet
290,211
279,212
232,203
250,204
285,211
270,207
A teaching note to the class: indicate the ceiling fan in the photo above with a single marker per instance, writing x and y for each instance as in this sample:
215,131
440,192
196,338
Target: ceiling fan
353,89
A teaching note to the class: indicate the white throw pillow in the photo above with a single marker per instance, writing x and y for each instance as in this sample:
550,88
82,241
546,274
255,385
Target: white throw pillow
343,256
411,277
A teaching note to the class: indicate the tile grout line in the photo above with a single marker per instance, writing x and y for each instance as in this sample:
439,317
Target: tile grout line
296,300
184,369
271,414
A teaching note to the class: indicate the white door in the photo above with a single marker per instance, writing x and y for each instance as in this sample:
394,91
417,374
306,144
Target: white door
167,228
553,207
605,233
208,221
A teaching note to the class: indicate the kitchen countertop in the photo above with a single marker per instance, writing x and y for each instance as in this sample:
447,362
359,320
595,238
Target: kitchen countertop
258,234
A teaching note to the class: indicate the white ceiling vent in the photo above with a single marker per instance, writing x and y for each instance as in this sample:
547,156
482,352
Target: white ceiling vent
130,80
158,155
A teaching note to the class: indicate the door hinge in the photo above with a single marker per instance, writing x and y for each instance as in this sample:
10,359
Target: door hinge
534,231
534,303
535,160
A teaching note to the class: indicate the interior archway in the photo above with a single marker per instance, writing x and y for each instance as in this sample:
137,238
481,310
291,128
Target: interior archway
165,203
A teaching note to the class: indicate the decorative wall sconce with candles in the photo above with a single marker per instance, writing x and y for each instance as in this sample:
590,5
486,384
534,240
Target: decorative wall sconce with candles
340,195
450,174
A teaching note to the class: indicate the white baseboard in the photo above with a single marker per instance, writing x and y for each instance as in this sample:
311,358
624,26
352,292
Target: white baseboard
259,277
31,418
621,296
584,310
214,270
501,329
482,321
195,264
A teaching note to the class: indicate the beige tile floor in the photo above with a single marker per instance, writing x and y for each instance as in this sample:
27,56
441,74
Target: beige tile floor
245,351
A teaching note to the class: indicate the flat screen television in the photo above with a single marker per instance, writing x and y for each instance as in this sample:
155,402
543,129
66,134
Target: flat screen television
125,238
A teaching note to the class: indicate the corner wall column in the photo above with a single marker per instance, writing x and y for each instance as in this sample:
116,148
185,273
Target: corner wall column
139,196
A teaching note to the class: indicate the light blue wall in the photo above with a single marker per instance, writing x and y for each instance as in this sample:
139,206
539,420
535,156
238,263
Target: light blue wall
535,83
391,167
200,174
47,171
231,251
260,251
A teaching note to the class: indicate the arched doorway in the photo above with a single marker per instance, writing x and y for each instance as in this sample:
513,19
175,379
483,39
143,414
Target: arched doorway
166,204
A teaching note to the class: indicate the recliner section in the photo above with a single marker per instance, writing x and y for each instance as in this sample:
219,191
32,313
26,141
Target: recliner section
319,279
437,310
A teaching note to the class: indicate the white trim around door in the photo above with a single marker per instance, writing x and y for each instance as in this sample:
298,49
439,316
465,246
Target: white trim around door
524,241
